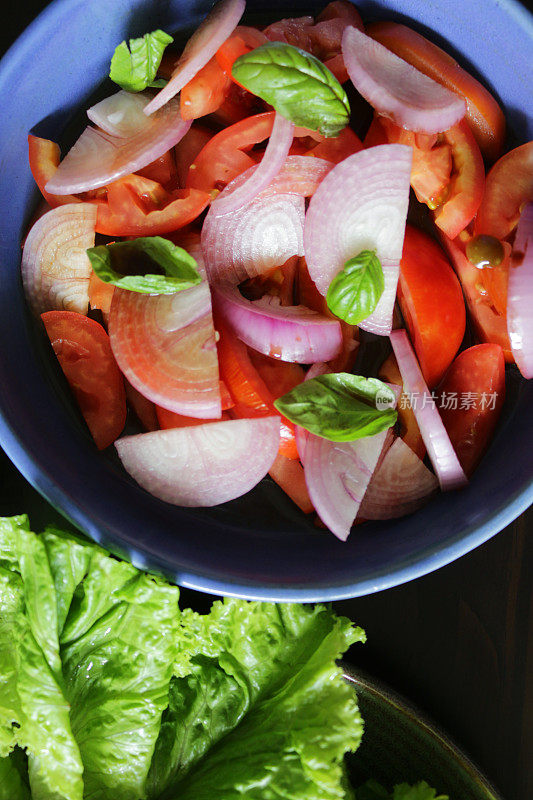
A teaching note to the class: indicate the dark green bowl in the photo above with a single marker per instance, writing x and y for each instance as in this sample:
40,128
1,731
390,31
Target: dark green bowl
401,745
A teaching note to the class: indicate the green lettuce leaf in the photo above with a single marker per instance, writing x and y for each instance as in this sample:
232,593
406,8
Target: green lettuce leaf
13,778
372,790
33,706
245,719
117,675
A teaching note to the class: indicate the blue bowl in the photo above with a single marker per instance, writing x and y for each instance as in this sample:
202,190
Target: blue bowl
258,546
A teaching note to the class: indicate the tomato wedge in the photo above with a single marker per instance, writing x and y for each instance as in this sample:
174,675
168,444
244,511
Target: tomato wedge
144,409
226,155
250,394
289,475
508,187
169,419
131,206
432,304
470,401
490,326
447,174
83,350
188,148
337,148
483,113
205,92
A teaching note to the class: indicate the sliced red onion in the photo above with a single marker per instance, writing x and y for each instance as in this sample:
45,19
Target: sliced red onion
520,294
275,154
55,267
165,346
400,485
203,465
201,47
440,450
361,205
396,89
317,369
337,475
265,233
262,235
98,158
290,333
121,114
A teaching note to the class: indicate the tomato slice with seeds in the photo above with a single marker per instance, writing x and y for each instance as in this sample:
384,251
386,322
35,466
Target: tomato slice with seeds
83,350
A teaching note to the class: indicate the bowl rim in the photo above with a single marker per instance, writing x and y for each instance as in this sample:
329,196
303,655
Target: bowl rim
361,679
418,566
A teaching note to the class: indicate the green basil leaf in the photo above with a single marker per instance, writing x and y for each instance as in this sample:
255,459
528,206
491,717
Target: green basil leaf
340,407
354,293
129,265
135,68
296,84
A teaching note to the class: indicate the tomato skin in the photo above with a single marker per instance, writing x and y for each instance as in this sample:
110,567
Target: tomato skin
144,409
188,148
250,394
432,304
83,350
131,206
225,155
162,170
289,475
337,148
490,326
100,294
169,419
483,113
478,370
205,92
508,187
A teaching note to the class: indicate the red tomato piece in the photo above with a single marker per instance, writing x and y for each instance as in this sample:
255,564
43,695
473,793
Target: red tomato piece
162,170
409,430
484,115
169,419
337,148
250,394
432,304
490,326
509,186
467,181
289,475
205,92
186,151
83,350
100,294
131,206
143,408
226,155
477,374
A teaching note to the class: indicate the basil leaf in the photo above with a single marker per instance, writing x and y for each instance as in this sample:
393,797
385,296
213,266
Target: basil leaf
136,68
340,407
112,262
296,84
354,293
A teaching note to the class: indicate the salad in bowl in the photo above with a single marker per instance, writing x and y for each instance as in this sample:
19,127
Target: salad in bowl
301,250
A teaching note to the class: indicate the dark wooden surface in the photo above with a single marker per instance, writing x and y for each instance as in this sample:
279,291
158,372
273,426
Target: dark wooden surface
458,642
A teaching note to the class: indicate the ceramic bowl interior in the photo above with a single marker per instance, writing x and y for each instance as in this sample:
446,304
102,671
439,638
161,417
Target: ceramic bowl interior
401,745
258,546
